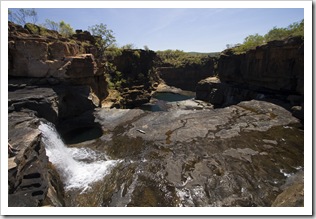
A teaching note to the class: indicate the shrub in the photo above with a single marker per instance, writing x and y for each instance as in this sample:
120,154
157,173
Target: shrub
178,58
252,41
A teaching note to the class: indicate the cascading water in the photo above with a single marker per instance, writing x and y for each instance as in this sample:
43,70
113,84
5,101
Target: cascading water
78,167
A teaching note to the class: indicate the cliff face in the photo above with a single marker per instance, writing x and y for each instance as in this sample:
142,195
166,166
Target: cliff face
49,58
277,66
274,70
134,71
186,77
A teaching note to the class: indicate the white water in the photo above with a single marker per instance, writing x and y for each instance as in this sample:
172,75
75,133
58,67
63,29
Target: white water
78,167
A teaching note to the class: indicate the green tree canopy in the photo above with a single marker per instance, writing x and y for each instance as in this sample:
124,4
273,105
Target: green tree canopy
62,27
128,46
252,41
65,29
105,36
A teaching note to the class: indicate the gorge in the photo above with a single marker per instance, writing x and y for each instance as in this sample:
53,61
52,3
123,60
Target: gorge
131,132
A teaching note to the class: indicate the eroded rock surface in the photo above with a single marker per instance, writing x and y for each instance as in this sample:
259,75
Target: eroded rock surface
274,70
33,181
240,155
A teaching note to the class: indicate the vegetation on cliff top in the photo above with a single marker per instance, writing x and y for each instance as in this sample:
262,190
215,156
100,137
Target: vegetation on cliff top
179,59
252,41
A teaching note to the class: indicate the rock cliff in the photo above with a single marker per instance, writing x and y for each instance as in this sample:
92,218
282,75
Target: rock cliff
49,59
274,70
186,77
133,71
33,181
187,156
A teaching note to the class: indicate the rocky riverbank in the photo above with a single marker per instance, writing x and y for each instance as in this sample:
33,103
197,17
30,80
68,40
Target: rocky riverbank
192,153
243,155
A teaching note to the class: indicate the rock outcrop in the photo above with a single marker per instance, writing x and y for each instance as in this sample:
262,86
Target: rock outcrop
274,70
33,181
50,59
188,155
218,157
133,71
186,77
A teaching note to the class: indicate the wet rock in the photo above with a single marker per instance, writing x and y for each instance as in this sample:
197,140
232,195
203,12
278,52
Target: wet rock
110,119
180,161
293,196
186,125
30,178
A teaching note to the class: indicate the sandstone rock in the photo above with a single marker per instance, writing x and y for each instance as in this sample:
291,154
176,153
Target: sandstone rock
222,94
276,66
60,50
190,158
293,196
186,77
274,70
42,101
81,66
29,179
136,76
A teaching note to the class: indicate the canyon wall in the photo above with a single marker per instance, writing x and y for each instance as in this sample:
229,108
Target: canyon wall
62,80
186,77
274,70
132,71
44,57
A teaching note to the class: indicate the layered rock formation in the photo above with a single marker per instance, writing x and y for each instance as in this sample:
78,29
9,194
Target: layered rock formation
217,157
134,71
274,70
249,154
50,78
49,58
33,181
186,77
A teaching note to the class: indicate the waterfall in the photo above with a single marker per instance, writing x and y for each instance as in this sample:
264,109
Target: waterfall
78,167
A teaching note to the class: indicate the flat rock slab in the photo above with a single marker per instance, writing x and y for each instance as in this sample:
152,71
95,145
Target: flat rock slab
187,125
242,155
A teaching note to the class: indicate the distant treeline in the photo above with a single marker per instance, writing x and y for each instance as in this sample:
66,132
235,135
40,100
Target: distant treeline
179,58
252,41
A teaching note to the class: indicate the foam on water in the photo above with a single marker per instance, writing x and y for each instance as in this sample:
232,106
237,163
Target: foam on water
78,167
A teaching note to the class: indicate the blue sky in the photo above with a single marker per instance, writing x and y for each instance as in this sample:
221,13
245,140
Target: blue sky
187,29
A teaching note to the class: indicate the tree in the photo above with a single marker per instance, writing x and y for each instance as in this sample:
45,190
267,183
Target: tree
52,25
23,16
297,28
65,29
105,37
128,46
276,34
